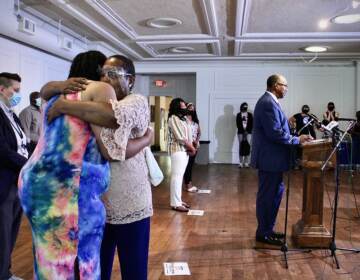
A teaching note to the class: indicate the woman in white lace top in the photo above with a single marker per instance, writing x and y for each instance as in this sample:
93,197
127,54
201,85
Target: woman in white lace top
128,201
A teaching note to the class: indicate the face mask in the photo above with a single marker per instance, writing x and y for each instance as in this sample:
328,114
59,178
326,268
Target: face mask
244,109
330,108
183,112
15,99
38,102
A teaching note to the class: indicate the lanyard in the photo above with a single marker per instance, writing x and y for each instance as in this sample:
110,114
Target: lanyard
17,128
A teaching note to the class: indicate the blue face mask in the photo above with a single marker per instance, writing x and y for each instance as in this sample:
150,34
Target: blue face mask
15,99
38,102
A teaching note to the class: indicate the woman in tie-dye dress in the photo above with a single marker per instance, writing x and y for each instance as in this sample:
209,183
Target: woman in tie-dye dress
60,186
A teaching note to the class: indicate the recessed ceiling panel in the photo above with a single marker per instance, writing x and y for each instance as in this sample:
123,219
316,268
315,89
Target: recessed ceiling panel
213,28
338,47
137,12
167,48
293,16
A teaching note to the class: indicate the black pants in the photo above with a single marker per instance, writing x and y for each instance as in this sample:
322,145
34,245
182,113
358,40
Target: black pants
188,170
10,219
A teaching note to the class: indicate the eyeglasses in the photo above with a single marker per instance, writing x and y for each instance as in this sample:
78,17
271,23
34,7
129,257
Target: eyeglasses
113,73
284,85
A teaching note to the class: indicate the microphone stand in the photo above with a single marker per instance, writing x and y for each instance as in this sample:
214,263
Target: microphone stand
284,247
333,246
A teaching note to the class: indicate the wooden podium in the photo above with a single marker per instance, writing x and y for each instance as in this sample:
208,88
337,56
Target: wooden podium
309,231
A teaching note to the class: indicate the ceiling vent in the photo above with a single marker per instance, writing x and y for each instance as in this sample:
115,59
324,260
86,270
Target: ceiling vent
27,26
66,43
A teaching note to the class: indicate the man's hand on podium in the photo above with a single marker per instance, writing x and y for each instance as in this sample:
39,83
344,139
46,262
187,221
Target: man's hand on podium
305,138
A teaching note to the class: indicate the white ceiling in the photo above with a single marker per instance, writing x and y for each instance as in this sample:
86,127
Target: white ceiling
215,29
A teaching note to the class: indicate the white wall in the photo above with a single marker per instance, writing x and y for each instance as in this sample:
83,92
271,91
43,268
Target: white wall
178,85
222,86
34,67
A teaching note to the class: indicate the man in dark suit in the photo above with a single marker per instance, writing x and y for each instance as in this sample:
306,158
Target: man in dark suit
13,155
271,156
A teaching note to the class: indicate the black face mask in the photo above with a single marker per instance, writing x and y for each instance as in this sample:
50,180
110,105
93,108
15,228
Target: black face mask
183,112
243,109
331,108
305,110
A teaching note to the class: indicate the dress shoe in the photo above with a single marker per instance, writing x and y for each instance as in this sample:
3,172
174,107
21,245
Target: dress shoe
271,240
180,208
279,235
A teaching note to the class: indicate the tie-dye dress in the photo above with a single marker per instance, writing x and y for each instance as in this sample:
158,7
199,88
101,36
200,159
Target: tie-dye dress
59,189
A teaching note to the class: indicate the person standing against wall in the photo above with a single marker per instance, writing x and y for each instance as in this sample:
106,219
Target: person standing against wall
30,120
13,156
180,147
193,121
244,123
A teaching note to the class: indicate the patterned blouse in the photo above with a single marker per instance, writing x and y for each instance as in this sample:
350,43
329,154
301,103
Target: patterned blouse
179,132
129,196
195,130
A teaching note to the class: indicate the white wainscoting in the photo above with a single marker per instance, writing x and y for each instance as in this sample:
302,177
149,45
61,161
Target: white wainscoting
34,67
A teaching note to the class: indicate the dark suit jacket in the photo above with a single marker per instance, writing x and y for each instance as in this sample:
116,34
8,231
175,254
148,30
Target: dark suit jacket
271,137
249,124
10,161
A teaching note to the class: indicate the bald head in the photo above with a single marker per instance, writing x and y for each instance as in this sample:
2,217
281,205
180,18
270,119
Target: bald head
277,85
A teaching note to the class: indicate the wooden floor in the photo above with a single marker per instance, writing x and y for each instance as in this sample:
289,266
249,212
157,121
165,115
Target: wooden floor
220,244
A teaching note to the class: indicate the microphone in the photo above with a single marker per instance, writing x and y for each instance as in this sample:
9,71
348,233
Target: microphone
346,119
332,127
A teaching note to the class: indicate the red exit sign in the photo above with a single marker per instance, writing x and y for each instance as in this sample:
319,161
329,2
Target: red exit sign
160,83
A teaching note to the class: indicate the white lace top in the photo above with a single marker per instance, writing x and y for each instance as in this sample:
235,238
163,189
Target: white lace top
129,196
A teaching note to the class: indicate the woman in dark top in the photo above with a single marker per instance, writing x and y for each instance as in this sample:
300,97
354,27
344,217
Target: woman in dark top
244,123
300,120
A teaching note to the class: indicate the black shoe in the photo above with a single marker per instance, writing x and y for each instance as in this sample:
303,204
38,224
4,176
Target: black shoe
278,235
271,240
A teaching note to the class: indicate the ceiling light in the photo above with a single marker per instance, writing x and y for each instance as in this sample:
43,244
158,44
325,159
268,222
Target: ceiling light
163,22
346,19
323,23
316,49
181,49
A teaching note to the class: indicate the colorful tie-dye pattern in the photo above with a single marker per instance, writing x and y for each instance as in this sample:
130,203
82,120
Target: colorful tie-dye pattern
59,188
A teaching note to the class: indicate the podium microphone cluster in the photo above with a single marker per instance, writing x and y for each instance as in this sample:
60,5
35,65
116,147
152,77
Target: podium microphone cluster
332,127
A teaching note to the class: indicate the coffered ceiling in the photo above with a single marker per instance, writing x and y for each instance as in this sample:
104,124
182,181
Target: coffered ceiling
208,29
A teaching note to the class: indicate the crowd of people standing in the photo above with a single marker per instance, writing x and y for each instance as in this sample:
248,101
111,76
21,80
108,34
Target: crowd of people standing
82,179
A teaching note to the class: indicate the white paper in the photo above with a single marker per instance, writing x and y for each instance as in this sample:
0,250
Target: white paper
196,213
204,191
176,268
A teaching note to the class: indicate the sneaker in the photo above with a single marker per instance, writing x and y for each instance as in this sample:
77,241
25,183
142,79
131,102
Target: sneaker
241,165
193,189
247,165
